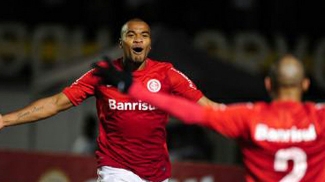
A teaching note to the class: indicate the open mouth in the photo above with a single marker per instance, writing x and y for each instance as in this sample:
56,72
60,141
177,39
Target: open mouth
137,50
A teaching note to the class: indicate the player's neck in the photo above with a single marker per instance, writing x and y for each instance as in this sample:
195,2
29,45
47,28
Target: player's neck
288,94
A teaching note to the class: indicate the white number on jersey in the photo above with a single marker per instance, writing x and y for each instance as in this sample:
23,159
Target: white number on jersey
299,158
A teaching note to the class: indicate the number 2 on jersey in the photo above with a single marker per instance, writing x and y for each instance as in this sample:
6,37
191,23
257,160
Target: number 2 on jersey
299,158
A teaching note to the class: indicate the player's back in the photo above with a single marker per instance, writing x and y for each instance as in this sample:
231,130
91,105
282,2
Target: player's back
286,142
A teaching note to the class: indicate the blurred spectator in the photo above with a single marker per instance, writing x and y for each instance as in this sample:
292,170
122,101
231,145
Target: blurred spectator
189,143
86,142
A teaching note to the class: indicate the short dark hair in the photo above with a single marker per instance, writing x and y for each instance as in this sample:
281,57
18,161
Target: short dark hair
131,20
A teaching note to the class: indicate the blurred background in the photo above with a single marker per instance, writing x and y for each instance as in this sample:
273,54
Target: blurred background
224,46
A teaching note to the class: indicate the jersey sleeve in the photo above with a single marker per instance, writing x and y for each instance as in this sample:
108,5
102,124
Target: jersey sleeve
229,120
82,88
182,85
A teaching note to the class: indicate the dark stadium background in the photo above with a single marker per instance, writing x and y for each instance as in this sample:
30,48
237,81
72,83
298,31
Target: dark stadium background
182,20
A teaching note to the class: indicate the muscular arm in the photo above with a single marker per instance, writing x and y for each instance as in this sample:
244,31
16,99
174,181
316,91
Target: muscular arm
40,109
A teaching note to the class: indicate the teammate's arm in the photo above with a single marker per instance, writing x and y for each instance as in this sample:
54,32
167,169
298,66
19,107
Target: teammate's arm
184,109
37,110
227,120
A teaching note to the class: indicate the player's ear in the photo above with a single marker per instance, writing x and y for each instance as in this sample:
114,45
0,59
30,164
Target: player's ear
268,84
305,84
120,43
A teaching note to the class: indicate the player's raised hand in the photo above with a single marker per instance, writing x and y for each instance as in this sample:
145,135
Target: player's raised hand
111,76
1,122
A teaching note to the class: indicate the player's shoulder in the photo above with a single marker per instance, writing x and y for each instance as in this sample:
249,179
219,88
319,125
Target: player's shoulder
244,105
260,105
317,106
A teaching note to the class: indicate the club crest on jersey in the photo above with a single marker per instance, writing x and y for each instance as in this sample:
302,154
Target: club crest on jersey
154,85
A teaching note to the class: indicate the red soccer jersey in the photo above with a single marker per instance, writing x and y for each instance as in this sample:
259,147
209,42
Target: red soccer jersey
280,141
132,133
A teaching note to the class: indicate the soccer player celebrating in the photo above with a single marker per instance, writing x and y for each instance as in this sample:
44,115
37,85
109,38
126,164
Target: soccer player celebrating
283,140
132,134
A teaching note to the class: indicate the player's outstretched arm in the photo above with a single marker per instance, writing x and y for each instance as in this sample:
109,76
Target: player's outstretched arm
40,109
1,122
